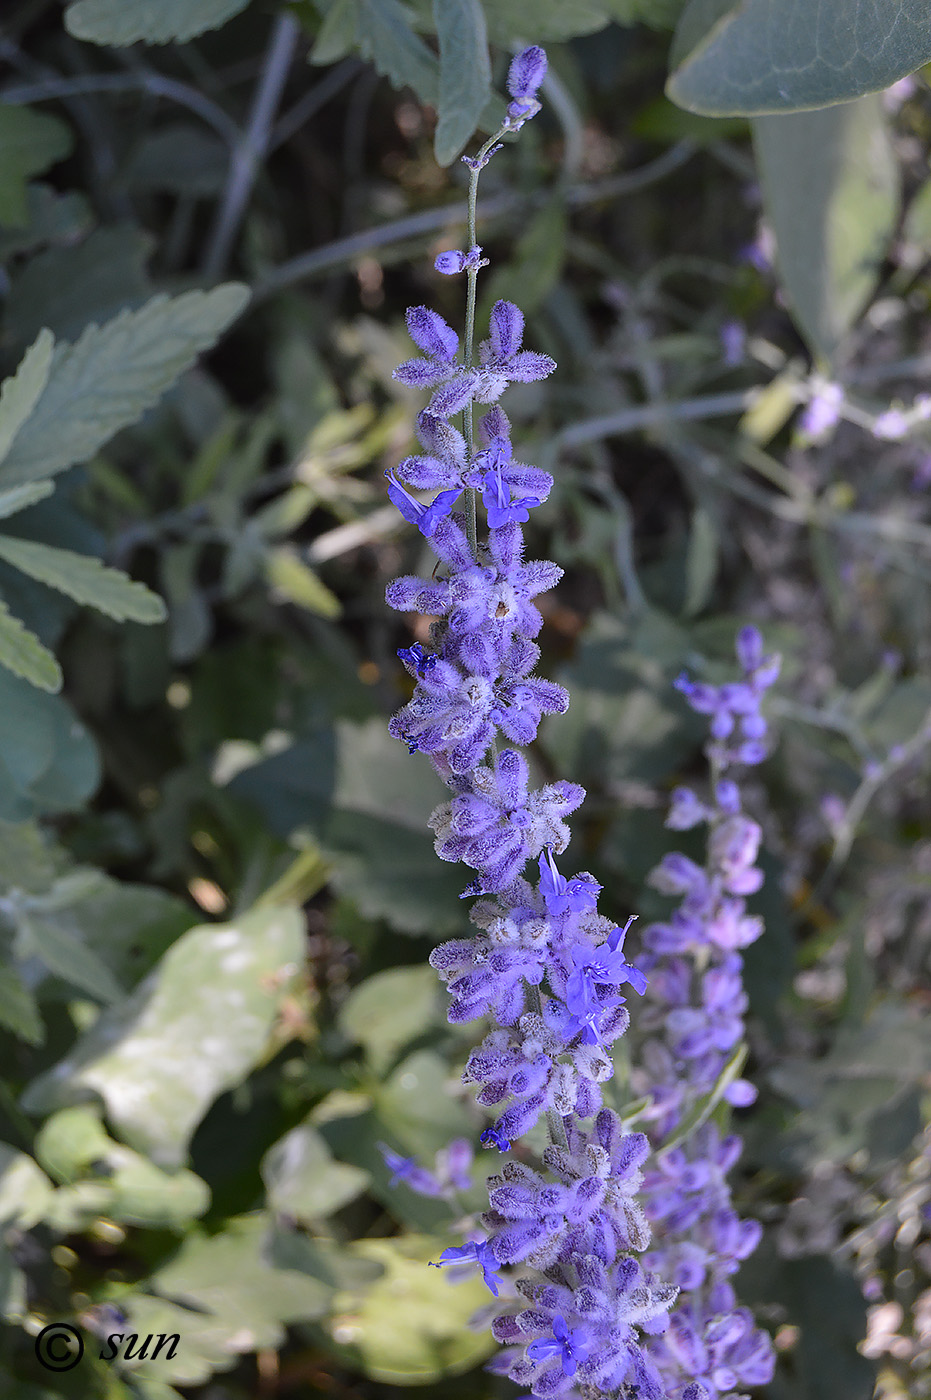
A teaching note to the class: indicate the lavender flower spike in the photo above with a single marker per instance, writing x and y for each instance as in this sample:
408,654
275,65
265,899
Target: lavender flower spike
543,964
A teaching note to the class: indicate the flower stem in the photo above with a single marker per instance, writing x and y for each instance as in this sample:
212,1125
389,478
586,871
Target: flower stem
475,170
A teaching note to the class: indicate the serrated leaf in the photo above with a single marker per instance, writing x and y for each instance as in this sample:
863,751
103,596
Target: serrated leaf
114,373
194,1027
465,74
18,1009
831,187
23,654
29,143
121,22
297,583
385,36
747,57
85,579
20,393
19,497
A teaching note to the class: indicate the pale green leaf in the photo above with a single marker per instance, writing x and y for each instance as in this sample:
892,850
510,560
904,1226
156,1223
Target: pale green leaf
25,1190
20,393
84,579
465,74
23,654
303,1179
51,218
224,1296
747,57
193,1028
426,1339
104,1178
390,1009
113,374
29,143
831,187
121,22
19,497
297,583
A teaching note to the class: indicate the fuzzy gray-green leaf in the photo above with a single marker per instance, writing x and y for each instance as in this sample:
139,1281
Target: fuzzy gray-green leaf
465,74
23,654
85,579
121,22
109,377
20,393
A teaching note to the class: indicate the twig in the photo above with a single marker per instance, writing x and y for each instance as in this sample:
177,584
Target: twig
248,153
655,414
58,89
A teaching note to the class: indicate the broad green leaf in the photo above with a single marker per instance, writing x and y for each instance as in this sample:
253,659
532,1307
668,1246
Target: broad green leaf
390,1009
225,1297
23,654
18,1010
84,579
304,1181
384,35
20,497
733,57
183,158
62,950
465,74
20,394
29,143
113,374
426,1339
831,186
103,1178
121,22
297,583
193,1028
27,862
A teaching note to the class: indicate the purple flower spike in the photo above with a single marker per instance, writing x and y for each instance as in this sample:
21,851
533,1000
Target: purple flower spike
430,333
527,71
492,1138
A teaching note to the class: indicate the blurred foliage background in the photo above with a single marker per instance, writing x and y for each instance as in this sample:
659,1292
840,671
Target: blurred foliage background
217,888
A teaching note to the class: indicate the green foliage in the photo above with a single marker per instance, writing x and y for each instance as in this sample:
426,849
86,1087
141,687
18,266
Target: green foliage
121,22
465,74
194,1027
112,375
832,194
746,57
29,143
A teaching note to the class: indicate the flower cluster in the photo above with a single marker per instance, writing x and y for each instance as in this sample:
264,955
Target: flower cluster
695,1013
544,965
